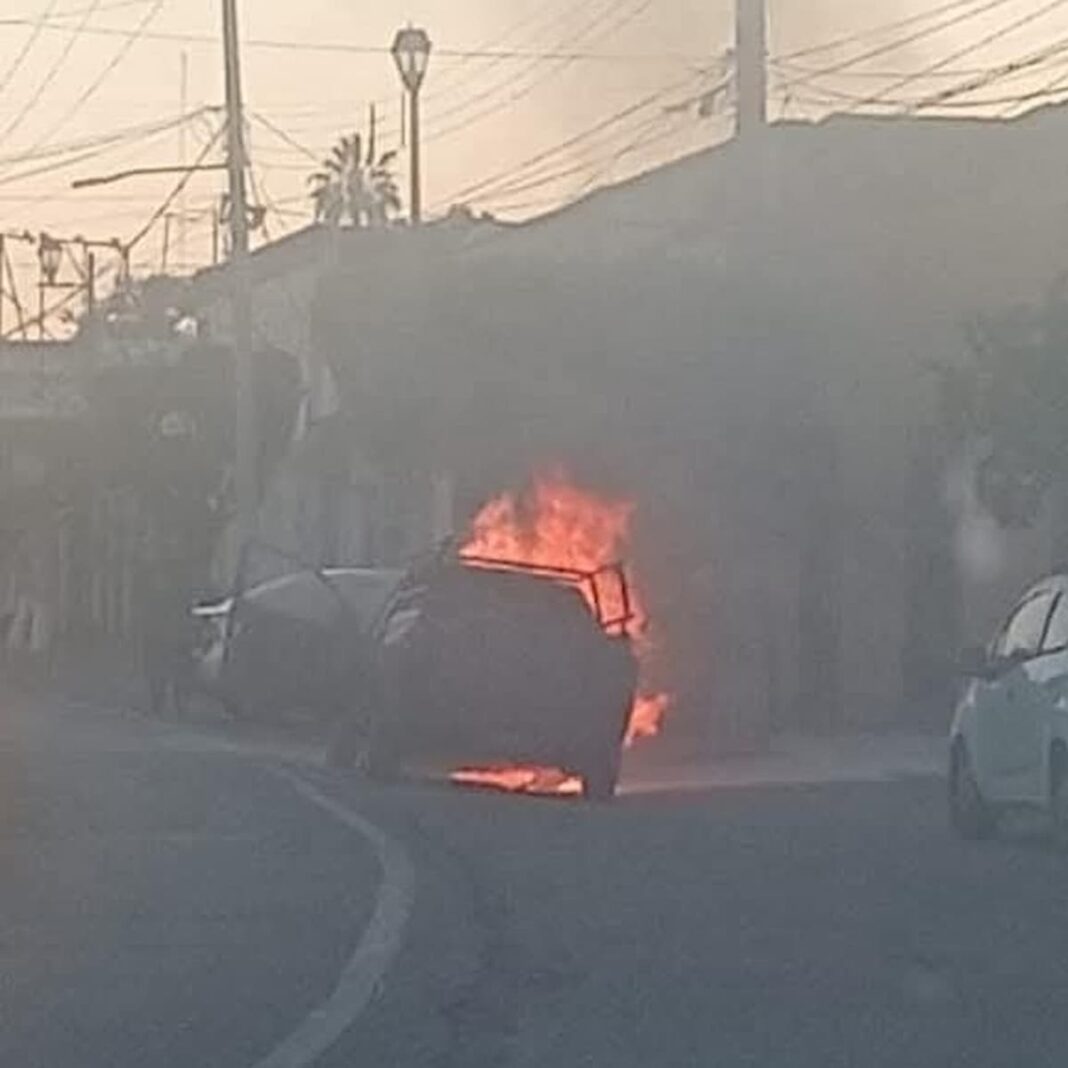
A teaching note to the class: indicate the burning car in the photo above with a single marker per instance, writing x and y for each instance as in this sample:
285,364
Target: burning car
492,662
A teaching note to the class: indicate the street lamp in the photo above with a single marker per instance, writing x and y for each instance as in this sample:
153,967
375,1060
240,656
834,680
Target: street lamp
50,256
50,252
49,260
411,53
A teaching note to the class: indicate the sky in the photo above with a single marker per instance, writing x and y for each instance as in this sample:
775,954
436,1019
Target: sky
515,123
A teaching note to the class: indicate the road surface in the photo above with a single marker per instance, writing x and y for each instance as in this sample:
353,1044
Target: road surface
171,902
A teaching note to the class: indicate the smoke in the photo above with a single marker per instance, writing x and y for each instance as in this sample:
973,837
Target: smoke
979,540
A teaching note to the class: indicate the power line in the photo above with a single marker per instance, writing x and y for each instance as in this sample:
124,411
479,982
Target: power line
127,133
570,142
561,22
793,70
278,132
1053,88
831,97
599,166
967,50
594,182
93,152
497,86
558,56
42,87
37,28
443,87
899,43
176,191
534,178
1008,69
98,81
557,65
365,49
864,35
74,12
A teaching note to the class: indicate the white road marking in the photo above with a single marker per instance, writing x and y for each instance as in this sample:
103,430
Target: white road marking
375,952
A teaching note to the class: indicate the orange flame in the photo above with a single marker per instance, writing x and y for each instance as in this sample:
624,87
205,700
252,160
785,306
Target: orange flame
557,524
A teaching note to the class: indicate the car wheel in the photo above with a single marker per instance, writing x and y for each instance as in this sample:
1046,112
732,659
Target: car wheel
970,814
1058,799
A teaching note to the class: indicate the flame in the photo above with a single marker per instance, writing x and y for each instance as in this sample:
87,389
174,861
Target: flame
520,779
557,524
647,715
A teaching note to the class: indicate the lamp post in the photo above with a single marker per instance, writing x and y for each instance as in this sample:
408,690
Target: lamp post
411,53
49,260
50,252
50,255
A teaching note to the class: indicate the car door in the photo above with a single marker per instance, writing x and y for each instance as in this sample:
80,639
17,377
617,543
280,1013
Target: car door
1011,708
1049,671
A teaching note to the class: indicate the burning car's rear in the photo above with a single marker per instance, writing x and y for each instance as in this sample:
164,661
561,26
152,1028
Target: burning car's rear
490,663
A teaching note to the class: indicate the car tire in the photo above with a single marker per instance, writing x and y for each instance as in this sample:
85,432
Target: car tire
1058,798
970,815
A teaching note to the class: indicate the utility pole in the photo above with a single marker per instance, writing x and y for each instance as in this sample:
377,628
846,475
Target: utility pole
751,57
90,282
246,480
183,138
166,250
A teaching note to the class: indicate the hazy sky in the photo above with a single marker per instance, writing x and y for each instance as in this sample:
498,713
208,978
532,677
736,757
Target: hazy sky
483,116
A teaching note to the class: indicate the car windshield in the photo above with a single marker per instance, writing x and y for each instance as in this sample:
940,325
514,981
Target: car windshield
533,532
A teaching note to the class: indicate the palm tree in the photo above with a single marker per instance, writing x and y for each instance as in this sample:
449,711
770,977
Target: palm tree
354,187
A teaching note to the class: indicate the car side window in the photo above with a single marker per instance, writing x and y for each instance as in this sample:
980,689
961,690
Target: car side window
1057,631
1023,633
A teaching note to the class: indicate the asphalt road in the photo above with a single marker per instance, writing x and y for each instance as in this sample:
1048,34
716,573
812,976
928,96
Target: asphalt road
164,902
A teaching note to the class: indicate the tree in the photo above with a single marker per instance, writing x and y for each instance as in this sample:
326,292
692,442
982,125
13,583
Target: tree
355,187
1013,396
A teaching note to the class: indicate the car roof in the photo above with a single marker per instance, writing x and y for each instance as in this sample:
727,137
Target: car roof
1057,583
520,588
304,594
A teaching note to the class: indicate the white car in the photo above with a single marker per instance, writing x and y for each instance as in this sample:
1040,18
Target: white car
1009,740
290,641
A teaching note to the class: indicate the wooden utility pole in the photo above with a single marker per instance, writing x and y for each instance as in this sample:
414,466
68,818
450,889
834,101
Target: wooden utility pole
246,480
183,139
751,57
